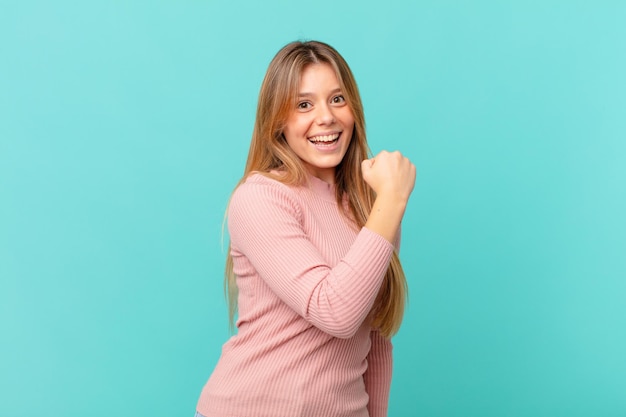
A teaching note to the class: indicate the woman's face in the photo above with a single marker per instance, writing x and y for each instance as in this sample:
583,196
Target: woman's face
319,129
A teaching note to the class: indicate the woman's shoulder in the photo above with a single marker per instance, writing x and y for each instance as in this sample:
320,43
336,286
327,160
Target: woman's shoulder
262,189
262,181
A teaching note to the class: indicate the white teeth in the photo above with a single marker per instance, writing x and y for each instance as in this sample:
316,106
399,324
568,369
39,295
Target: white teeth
324,138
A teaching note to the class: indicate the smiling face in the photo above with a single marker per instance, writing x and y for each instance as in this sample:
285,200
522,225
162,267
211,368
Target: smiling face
320,128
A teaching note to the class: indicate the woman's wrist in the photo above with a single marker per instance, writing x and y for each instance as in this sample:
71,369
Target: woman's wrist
386,216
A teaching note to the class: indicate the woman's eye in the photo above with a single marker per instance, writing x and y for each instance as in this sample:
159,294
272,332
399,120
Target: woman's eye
303,105
339,99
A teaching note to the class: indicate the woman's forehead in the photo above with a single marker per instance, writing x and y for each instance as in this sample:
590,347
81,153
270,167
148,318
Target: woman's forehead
316,78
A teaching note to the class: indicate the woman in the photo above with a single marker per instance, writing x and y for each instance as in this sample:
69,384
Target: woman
313,266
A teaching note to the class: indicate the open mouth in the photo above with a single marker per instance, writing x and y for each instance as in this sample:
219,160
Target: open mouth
325,140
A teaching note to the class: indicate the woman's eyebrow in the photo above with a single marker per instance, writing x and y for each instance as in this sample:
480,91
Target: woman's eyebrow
306,94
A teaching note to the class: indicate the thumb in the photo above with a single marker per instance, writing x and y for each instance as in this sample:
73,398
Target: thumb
367,163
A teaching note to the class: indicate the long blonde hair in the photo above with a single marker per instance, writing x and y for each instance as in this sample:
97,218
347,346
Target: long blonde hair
269,151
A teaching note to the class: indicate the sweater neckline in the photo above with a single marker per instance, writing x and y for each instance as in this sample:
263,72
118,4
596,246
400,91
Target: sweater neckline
322,188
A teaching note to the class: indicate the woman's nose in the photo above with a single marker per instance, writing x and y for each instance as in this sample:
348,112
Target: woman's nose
325,115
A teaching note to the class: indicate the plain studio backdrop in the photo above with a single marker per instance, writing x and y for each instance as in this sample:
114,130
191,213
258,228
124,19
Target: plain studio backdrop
124,127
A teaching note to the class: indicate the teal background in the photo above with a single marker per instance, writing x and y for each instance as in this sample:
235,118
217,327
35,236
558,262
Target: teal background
125,125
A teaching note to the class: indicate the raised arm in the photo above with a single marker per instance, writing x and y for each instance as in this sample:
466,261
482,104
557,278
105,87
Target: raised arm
265,223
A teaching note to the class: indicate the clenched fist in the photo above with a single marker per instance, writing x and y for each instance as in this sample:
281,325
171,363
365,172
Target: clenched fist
390,174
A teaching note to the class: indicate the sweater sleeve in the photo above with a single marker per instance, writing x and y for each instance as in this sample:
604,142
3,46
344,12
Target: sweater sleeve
377,378
265,225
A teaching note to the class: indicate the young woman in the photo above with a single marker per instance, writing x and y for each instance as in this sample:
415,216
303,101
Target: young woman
313,267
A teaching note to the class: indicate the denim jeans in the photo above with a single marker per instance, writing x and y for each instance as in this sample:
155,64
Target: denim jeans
198,415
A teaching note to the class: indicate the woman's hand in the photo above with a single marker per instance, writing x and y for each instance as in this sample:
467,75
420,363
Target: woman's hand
390,174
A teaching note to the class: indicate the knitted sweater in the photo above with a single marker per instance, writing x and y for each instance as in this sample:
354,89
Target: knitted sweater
307,280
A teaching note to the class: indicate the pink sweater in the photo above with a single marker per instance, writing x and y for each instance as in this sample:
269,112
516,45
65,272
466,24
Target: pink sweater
307,280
